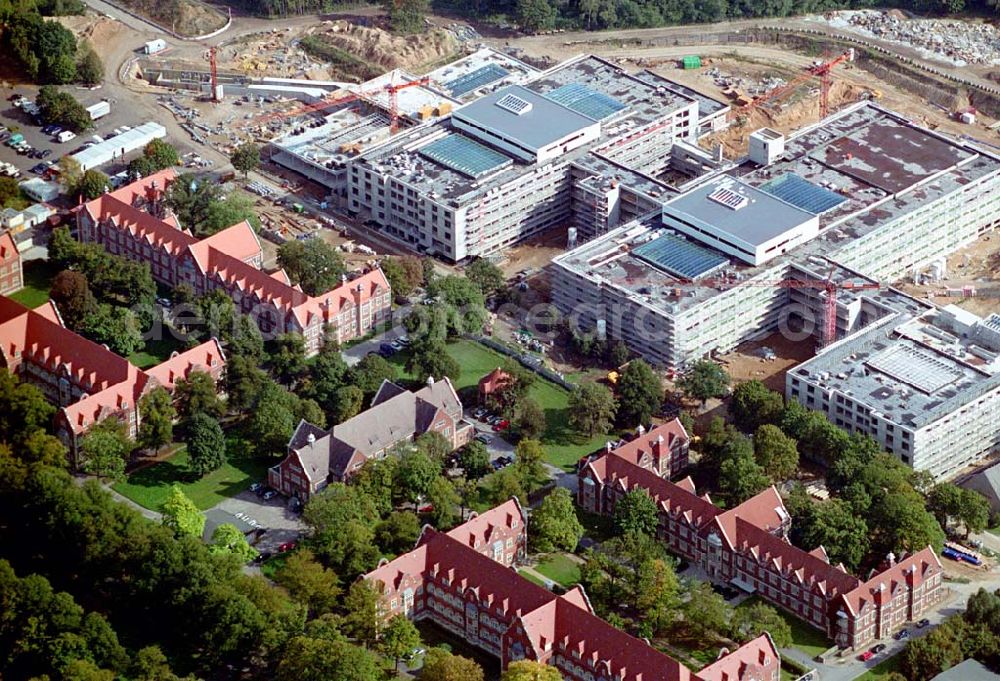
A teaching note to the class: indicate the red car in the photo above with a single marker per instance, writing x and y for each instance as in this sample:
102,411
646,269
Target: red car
503,425
287,546
865,656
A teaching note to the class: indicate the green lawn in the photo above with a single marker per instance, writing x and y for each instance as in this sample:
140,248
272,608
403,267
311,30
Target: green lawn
810,641
38,276
882,669
563,445
530,577
560,568
150,486
156,351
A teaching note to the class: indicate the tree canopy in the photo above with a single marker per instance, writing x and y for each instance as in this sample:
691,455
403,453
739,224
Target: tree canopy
313,264
554,525
640,394
704,380
592,408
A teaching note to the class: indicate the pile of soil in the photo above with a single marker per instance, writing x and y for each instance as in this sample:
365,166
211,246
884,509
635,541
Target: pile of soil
388,51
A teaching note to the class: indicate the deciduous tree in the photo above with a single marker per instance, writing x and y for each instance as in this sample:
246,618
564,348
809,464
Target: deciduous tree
314,264
775,452
158,414
487,276
370,372
754,404
181,515
206,444
529,670
441,665
640,394
246,157
310,659
71,293
105,448
444,500
93,184
704,380
197,394
398,638
228,538
530,420
741,478
308,582
554,525
415,474
635,512
592,408
361,608
474,460
750,622
398,532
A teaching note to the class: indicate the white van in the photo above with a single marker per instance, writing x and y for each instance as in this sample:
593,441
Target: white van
65,136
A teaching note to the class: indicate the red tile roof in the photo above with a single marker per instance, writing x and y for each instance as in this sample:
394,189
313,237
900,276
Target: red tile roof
111,383
914,569
8,249
765,510
663,435
676,499
742,663
206,357
493,380
804,568
478,530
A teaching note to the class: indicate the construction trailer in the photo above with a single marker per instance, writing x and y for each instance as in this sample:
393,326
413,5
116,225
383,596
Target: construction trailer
154,46
99,110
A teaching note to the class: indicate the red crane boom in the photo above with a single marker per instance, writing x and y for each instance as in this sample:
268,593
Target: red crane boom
823,71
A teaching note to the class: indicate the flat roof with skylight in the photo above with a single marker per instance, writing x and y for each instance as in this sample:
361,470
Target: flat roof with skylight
523,122
742,221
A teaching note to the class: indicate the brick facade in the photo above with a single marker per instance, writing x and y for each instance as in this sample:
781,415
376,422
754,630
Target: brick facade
11,270
465,591
317,457
747,547
133,222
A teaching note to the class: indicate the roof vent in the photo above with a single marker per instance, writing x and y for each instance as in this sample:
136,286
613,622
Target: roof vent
514,104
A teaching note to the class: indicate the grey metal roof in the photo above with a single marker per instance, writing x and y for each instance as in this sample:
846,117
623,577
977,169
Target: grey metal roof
762,218
545,122
969,670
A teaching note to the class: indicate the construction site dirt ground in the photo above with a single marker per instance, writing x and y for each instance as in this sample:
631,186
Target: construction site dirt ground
977,265
745,362
850,83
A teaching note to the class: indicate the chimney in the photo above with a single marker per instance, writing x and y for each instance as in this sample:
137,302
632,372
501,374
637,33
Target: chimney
890,558
311,438
640,431
430,381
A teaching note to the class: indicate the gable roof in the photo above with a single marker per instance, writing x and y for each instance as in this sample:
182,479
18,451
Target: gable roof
914,569
664,435
742,662
480,528
8,248
204,357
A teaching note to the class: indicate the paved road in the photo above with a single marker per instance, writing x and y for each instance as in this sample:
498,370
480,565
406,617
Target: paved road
282,525
132,22
355,353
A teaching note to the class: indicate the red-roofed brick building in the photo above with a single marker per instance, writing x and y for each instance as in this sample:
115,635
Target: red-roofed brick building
663,449
85,380
134,222
747,547
487,604
11,272
491,383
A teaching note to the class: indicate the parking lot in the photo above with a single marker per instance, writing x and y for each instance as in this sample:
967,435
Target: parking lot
281,523
18,121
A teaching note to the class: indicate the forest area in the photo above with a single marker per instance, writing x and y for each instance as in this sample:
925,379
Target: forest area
537,15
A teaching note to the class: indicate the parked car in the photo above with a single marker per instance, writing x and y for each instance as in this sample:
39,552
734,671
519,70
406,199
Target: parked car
484,438
479,413
878,649
865,656
256,487
386,350
404,340
262,556
262,490
396,345
46,153
165,302
902,634
39,168
287,546
501,425
923,623
269,494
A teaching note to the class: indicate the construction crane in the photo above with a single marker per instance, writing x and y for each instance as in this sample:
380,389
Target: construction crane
829,328
344,97
215,74
822,71
393,104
